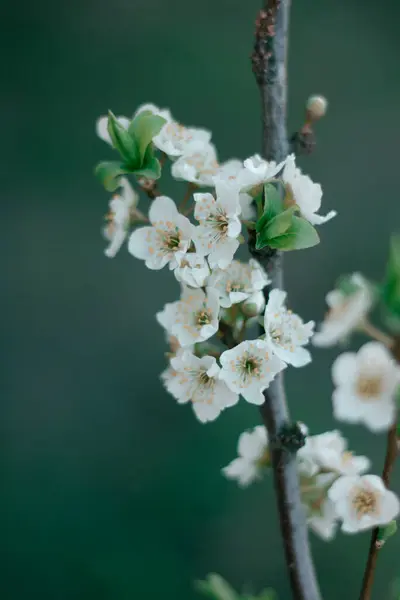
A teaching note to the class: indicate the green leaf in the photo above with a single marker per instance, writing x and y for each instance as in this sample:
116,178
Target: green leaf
273,204
123,142
391,284
301,234
384,533
281,223
109,172
151,170
216,587
143,128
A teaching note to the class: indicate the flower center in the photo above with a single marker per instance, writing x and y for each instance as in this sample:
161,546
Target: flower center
347,457
232,286
369,388
205,380
203,317
265,459
365,502
251,365
172,240
178,131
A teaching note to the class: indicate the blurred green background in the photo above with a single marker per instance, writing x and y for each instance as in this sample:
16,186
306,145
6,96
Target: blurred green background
110,490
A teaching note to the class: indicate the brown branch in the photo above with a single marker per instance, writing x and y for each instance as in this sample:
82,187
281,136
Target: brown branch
390,459
269,66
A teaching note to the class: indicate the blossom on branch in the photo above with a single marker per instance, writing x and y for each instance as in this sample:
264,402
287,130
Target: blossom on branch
167,240
193,270
175,139
119,217
366,385
238,282
347,309
249,368
304,192
363,502
286,332
193,379
193,318
253,457
216,235
198,165
322,519
328,452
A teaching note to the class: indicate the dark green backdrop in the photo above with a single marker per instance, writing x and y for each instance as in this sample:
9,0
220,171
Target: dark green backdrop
110,490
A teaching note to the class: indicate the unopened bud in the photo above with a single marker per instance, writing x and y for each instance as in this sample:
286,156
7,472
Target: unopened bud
254,305
316,107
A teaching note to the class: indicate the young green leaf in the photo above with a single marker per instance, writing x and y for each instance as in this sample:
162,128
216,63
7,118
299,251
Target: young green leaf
216,587
281,223
123,142
384,533
273,204
143,128
391,285
109,173
301,234
150,170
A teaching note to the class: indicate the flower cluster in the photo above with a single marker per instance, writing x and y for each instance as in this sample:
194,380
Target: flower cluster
333,486
211,362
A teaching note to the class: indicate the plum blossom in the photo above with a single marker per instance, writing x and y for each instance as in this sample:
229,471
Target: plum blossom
193,318
366,385
216,235
238,282
322,519
122,207
286,332
193,379
249,368
198,165
346,312
193,270
258,171
253,457
305,193
328,452
102,127
168,238
362,502
175,139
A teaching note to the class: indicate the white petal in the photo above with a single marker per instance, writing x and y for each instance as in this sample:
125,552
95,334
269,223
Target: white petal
344,369
162,209
138,244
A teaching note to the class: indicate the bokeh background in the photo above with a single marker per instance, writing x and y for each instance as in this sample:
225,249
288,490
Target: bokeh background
110,490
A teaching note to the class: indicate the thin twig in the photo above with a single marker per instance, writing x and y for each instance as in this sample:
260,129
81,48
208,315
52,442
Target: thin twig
376,334
269,66
186,198
390,459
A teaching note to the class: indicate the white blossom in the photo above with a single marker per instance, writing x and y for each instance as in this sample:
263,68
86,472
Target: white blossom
220,226
305,193
198,165
238,281
363,502
119,217
248,209
249,368
346,312
193,318
258,171
156,110
323,519
167,240
286,332
102,127
366,385
253,457
328,451
193,270
193,379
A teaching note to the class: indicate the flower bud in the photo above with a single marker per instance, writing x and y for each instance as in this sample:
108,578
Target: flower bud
316,107
254,305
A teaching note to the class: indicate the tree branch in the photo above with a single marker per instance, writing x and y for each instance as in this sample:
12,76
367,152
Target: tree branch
269,66
390,459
